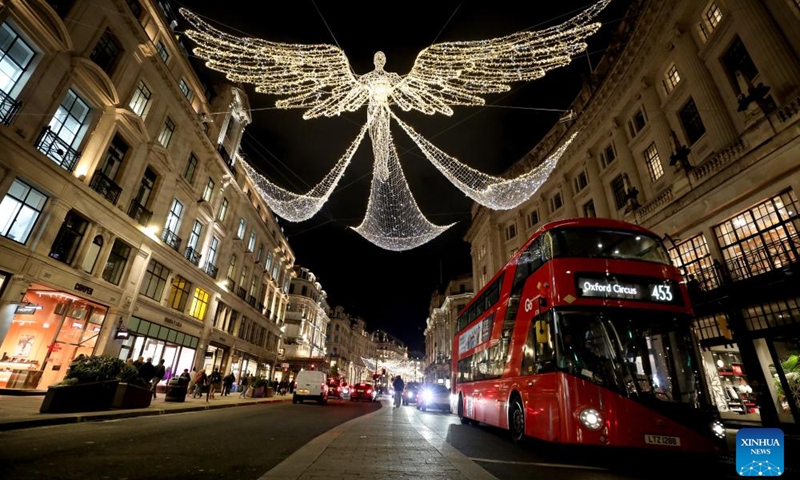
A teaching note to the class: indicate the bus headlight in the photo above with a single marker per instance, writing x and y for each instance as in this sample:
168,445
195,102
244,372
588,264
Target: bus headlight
591,419
718,428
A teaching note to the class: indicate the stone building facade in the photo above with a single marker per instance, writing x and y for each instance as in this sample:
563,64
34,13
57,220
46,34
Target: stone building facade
348,344
307,318
440,327
127,226
690,126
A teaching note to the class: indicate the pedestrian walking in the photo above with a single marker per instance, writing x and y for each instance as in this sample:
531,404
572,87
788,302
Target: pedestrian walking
244,380
158,375
398,384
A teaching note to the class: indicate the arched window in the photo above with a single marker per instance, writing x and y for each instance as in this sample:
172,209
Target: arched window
91,255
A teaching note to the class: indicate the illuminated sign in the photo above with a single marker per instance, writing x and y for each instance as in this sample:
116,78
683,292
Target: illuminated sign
627,288
27,309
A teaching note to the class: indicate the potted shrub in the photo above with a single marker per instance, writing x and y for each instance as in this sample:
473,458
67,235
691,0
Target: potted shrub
89,386
259,387
132,391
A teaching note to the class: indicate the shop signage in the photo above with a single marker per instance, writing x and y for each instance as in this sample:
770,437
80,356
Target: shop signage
171,321
84,289
284,365
122,334
27,309
648,290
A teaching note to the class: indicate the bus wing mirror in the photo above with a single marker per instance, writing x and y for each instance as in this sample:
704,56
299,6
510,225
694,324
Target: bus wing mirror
542,332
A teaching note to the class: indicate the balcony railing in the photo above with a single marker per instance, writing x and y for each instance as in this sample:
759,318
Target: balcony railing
252,301
58,150
193,255
170,238
211,270
8,108
241,293
105,186
137,212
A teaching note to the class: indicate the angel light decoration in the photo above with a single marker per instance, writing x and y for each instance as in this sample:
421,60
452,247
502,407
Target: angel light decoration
319,79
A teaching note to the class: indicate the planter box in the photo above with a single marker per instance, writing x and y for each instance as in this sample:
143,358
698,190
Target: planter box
132,396
259,392
85,397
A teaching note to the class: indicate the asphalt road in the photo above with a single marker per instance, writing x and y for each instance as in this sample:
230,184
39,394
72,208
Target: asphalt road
231,443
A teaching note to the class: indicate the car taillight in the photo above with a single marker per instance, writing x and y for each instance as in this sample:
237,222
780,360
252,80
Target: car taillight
369,390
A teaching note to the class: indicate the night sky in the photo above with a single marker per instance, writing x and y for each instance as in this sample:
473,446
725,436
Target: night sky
392,290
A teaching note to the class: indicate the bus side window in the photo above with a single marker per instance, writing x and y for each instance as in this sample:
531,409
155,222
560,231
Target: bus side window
538,353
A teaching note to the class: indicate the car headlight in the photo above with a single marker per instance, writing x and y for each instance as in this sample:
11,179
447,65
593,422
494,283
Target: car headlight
591,418
410,394
718,428
427,396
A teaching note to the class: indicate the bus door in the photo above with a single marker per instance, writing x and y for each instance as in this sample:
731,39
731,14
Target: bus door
539,380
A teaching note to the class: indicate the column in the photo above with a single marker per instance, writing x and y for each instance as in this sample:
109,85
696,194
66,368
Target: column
706,94
51,223
768,47
659,125
88,238
596,187
627,164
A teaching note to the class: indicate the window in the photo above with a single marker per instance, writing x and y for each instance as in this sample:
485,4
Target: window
653,162
511,231
138,209
580,181
136,7
694,259
275,267
141,99
114,156
608,155
739,67
242,227
243,277
637,123
199,304
90,260
154,281
66,131
208,192
671,78
620,191
192,252
174,216
251,244
691,121
588,209
260,253
69,237
106,51
268,262
166,133
187,92
556,202
20,210
116,262
212,251
15,58
231,268
191,167
532,218
711,18
223,210
162,51
179,294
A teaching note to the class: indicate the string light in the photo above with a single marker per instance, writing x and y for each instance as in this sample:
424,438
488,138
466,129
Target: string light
318,78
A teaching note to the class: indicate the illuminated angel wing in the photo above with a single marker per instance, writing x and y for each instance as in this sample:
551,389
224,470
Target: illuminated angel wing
314,77
455,73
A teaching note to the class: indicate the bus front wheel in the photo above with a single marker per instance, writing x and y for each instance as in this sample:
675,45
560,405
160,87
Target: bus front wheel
516,420
464,420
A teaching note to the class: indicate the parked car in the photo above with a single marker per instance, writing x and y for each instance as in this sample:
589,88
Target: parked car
363,391
410,393
433,396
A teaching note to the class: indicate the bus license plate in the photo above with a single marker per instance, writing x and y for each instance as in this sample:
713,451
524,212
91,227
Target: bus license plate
662,440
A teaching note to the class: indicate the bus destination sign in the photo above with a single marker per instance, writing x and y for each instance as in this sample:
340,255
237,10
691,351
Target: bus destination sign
645,290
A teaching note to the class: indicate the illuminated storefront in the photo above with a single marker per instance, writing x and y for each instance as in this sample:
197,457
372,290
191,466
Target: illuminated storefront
150,340
49,329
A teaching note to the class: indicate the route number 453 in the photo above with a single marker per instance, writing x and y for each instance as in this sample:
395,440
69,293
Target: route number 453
661,293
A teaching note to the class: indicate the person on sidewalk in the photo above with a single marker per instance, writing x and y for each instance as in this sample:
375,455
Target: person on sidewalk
158,375
227,384
243,381
214,383
147,370
200,382
398,386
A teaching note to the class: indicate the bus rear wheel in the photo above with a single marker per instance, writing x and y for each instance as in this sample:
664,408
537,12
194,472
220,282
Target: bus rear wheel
516,420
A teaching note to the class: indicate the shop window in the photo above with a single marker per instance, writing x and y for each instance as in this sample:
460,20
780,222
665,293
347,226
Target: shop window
106,52
117,260
694,259
761,239
199,304
787,351
90,260
191,167
691,121
69,237
782,313
738,393
179,294
166,132
20,210
154,281
141,99
712,327
653,162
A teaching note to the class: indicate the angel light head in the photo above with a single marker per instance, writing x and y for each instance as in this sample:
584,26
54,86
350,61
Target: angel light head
379,60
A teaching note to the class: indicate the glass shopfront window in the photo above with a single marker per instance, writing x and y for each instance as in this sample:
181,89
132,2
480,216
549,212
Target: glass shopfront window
48,330
151,340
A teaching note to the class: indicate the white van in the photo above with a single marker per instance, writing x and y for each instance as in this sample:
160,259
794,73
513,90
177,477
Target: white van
311,384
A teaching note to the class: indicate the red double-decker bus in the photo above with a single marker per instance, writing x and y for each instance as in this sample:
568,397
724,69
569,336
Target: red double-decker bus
584,337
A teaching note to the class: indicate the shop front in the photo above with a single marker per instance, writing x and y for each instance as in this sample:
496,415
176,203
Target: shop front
49,329
147,339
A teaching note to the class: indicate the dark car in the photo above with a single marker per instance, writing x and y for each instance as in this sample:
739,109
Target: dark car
434,396
410,393
363,391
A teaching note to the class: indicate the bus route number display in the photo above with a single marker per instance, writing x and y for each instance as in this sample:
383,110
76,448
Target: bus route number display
663,291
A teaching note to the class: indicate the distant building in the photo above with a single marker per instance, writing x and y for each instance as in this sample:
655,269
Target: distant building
348,344
306,323
689,126
440,327
126,225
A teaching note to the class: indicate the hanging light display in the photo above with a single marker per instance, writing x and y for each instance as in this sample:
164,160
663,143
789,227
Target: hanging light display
319,79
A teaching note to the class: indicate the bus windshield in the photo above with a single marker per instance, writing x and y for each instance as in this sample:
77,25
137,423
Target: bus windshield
639,353
605,243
